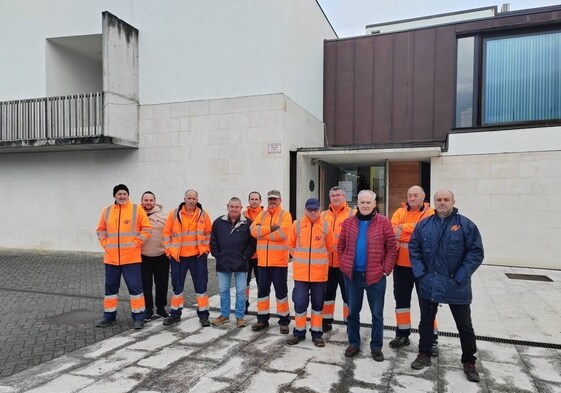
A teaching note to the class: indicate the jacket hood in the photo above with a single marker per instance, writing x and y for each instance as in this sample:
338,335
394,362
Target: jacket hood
155,209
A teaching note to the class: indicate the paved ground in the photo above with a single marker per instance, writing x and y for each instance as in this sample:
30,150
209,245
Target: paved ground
49,301
186,357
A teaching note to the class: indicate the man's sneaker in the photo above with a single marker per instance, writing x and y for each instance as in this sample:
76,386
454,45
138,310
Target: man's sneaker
172,319
103,323
284,329
292,340
220,320
162,312
377,355
351,351
400,342
434,349
204,322
326,327
258,326
148,316
241,322
138,324
471,372
421,362
319,342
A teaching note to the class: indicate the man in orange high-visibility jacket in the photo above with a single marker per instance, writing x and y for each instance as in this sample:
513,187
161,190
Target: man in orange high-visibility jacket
404,221
338,212
271,228
310,241
187,244
123,228
252,212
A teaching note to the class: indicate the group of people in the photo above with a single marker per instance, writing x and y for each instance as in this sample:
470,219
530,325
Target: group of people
435,251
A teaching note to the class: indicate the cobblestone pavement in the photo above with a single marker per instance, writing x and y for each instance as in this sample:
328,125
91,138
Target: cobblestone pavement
49,301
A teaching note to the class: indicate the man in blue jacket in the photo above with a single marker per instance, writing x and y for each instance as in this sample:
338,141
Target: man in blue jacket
232,245
445,250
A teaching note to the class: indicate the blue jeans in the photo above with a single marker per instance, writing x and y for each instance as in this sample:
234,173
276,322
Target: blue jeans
224,281
375,294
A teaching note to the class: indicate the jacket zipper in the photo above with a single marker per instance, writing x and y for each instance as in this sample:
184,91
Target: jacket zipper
119,236
310,253
270,224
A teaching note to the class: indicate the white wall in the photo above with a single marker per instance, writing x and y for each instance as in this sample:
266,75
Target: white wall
68,72
218,147
514,200
188,49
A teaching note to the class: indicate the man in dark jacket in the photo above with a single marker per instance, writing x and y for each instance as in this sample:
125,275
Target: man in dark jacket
367,252
232,245
445,250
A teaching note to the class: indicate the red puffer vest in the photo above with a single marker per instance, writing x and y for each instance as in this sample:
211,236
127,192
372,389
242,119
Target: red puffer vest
380,243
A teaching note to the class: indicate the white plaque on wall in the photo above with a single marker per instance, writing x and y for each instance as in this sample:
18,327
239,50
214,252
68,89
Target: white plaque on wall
275,148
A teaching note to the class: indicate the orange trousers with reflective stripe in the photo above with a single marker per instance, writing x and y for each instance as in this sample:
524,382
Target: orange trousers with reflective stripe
278,277
334,279
303,294
198,267
133,278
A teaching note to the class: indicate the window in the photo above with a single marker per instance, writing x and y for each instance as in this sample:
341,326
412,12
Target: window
520,79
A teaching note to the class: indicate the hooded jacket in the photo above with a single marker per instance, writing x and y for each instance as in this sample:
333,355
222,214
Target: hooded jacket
444,254
154,246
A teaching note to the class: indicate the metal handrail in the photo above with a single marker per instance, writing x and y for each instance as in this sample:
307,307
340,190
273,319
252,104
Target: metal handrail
72,116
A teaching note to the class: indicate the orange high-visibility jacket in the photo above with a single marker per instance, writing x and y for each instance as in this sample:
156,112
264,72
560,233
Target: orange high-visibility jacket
121,231
252,215
335,219
272,248
310,244
187,235
407,218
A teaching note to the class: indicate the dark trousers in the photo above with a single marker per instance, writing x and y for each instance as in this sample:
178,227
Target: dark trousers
132,276
155,270
276,276
462,317
302,294
334,279
252,267
198,267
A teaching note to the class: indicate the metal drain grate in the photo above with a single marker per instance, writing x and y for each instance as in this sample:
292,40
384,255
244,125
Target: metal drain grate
528,277
75,318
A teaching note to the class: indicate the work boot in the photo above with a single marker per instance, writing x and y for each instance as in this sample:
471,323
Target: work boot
172,319
471,372
259,325
400,342
205,322
138,324
103,323
421,362
326,327
292,340
377,355
319,342
240,322
434,349
351,351
220,320
284,329
148,316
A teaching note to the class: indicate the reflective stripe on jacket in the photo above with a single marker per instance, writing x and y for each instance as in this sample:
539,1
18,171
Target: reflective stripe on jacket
310,244
189,236
335,220
407,218
272,248
121,231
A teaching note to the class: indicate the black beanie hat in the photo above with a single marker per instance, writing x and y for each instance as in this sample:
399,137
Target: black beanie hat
119,187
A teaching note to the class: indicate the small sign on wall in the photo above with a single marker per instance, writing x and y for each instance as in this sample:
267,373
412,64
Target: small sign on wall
274,148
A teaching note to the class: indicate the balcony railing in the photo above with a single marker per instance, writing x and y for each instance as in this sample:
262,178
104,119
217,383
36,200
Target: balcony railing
73,116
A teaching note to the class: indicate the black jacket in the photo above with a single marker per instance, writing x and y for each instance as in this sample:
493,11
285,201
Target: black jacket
232,245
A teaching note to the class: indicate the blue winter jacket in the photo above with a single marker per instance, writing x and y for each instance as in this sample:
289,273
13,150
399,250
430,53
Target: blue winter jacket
444,253
232,244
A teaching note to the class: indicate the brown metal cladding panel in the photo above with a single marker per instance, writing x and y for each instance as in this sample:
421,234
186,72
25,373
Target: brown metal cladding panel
383,92
402,175
444,82
363,91
423,85
402,100
329,83
344,110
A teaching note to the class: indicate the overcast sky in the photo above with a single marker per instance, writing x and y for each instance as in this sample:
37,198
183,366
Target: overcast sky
349,17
